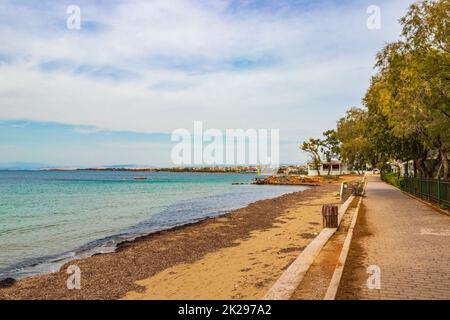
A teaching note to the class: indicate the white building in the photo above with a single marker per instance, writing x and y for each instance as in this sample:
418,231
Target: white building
337,168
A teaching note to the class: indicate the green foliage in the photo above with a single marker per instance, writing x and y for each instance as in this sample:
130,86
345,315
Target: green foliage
393,179
330,146
407,106
409,98
351,131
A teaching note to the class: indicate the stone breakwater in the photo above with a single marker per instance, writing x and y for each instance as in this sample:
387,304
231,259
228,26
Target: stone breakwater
290,180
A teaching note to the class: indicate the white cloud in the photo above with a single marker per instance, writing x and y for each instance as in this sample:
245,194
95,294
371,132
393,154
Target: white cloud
183,60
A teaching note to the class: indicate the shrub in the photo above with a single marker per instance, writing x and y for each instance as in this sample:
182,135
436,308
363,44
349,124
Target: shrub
393,179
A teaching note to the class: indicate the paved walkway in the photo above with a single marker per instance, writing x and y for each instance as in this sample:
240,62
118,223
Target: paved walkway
406,239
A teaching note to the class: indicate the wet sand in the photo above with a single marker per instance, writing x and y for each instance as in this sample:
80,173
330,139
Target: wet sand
235,256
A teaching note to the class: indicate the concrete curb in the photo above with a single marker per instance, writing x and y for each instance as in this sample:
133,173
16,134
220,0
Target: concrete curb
291,278
339,270
337,275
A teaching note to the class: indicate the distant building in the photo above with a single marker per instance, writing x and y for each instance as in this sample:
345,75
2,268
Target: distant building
406,168
337,168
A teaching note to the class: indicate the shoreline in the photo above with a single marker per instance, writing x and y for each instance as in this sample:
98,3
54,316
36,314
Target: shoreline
57,261
113,275
44,265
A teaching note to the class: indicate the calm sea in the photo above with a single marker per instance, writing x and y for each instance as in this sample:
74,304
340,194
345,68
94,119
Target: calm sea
48,218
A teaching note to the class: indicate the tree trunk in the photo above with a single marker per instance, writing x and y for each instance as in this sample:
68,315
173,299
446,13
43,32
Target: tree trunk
433,165
317,163
420,168
423,170
421,156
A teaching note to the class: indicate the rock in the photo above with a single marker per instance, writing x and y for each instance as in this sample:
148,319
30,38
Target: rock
289,180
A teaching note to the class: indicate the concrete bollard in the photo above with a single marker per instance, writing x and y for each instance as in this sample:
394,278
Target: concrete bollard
330,215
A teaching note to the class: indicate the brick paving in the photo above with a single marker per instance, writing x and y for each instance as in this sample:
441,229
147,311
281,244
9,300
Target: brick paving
407,239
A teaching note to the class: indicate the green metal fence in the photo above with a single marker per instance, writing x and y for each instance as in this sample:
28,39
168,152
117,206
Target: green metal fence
432,190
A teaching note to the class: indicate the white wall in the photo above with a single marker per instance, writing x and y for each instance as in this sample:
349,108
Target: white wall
313,172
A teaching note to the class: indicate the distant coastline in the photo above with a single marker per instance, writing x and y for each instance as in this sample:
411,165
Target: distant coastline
214,169
187,169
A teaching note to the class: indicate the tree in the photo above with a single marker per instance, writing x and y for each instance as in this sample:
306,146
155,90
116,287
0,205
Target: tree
386,145
312,146
411,90
426,30
330,147
351,131
407,106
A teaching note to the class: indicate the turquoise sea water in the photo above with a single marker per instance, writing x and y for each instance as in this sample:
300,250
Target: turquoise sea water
47,218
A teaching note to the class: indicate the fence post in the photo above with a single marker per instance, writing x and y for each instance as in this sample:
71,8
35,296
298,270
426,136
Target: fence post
428,189
341,193
420,193
420,187
439,190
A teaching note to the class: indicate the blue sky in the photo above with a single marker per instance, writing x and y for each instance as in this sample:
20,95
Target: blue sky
113,91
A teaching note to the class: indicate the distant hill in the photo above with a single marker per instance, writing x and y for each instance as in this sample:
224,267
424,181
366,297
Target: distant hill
43,166
22,166
127,166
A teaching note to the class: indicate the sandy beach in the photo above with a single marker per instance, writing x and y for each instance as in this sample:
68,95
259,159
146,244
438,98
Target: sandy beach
235,256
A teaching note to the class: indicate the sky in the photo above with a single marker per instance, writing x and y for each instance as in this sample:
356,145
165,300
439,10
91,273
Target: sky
113,91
